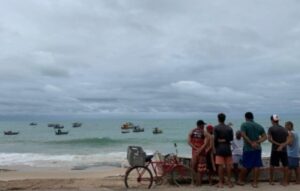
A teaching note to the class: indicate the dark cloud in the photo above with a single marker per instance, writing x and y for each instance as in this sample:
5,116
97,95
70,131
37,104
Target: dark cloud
98,100
149,58
54,72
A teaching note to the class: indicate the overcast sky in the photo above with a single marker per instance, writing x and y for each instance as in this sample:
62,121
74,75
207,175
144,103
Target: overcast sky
149,58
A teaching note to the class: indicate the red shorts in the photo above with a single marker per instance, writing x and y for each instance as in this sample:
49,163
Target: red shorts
223,160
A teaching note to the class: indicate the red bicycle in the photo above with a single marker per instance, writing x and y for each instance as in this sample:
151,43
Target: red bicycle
143,176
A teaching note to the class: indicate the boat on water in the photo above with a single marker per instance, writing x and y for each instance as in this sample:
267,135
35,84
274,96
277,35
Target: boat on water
33,124
60,132
52,124
76,124
137,129
11,132
128,125
125,131
156,130
58,126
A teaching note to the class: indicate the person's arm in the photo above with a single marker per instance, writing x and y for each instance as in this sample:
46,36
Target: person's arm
216,135
209,146
270,139
289,140
262,138
246,138
213,145
244,135
190,141
206,142
230,138
253,144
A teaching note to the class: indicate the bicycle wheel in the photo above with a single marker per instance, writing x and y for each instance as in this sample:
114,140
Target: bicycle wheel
138,177
182,175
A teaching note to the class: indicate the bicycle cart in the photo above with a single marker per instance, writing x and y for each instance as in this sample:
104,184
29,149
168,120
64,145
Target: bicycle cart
144,170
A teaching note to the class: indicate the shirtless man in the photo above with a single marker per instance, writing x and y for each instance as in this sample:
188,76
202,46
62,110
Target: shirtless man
199,139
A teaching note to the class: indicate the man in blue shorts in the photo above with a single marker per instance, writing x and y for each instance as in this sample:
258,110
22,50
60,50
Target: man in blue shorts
253,135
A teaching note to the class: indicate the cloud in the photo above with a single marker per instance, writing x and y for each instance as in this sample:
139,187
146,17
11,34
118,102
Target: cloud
149,58
216,93
98,100
52,88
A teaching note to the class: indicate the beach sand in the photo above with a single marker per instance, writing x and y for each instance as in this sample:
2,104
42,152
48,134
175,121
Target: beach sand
100,179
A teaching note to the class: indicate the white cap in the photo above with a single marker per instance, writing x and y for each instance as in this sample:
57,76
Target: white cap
275,117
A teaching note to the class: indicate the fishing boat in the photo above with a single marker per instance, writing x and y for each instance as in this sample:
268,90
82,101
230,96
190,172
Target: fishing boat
76,124
11,132
52,124
127,125
58,126
137,129
60,132
156,130
33,124
125,131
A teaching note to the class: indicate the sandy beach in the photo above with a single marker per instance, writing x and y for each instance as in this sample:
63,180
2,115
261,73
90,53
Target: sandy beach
104,178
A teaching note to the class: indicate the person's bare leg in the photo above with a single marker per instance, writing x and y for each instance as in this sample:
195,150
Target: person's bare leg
271,181
285,176
200,178
228,170
196,173
242,175
255,177
289,175
221,176
210,177
236,171
297,172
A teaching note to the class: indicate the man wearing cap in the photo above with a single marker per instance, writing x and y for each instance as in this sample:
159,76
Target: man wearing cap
278,136
198,139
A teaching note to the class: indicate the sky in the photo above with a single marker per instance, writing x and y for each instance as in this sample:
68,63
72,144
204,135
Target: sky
150,58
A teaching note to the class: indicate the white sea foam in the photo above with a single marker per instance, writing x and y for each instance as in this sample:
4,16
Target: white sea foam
46,160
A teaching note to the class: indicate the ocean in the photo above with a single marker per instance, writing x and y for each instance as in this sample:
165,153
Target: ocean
97,142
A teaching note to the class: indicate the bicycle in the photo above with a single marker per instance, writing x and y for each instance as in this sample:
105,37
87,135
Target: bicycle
143,176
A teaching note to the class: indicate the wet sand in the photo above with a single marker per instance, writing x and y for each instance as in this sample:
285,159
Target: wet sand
100,179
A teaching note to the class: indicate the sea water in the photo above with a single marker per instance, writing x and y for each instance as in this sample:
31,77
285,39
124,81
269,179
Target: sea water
97,142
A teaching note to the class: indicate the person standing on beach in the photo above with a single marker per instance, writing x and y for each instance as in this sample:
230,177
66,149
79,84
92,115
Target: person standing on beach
237,153
223,137
278,136
293,151
253,135
199,139
210,152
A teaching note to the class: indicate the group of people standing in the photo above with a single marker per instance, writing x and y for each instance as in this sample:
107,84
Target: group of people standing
215,150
